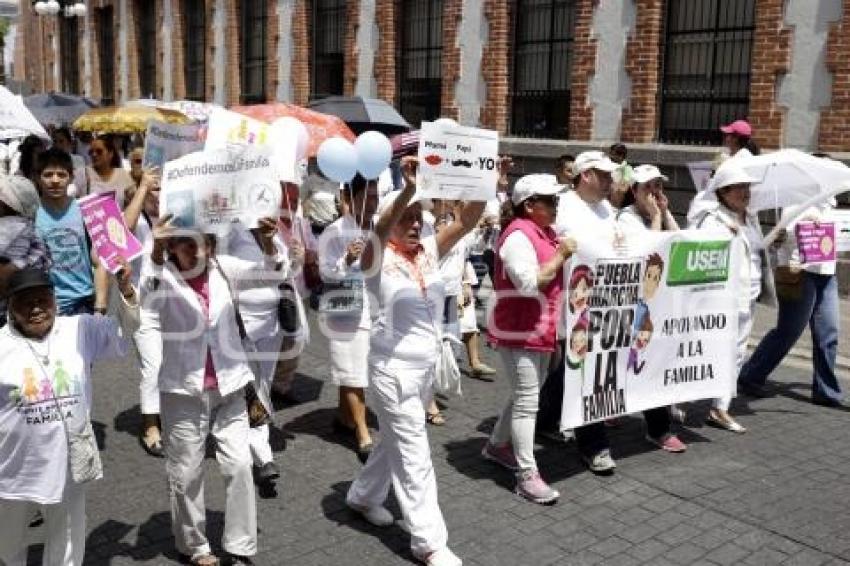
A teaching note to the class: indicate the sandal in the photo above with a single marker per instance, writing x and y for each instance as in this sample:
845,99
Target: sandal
204,560
435,419
154,448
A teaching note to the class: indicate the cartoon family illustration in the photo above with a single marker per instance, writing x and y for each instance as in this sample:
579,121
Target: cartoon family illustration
580,288
33,390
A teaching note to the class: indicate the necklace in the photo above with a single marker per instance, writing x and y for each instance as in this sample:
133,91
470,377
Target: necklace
41,357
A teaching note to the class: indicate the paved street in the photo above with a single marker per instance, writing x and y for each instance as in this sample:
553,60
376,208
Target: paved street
777,495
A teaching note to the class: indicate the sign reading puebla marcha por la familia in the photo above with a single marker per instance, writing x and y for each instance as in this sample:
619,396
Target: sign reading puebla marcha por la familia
650,321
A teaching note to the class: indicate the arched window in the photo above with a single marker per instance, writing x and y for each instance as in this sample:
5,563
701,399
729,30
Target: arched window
707,60
69,40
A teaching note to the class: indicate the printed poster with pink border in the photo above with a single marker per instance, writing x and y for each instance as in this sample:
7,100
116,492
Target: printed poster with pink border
109,234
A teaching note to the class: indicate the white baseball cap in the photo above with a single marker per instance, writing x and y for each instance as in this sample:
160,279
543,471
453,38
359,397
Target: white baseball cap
536,184
730,173
593,160
644,173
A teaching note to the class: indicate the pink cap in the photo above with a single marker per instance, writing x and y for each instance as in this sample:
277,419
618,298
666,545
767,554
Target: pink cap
739,127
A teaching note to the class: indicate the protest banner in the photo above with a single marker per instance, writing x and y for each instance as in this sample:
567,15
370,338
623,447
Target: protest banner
109,235
165,142
211,190
230,130
816,242
648,323
457,163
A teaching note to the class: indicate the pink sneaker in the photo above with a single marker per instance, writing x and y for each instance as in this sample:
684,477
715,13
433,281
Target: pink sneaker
502,455
669,442
531,486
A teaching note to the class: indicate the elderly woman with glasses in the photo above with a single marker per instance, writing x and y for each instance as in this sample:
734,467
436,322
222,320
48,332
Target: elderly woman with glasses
403,276
528,286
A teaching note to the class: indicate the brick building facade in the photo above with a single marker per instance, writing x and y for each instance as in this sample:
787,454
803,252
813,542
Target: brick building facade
620,78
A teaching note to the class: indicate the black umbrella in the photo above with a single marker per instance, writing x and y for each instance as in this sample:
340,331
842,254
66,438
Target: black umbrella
58,108
363,114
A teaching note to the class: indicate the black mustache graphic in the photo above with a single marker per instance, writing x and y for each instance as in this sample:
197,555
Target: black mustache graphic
461,163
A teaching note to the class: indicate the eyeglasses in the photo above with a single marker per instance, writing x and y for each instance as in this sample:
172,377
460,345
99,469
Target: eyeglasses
551,200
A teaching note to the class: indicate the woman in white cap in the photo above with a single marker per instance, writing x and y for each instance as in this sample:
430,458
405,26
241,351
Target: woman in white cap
404,278
723,206
528,286
649,212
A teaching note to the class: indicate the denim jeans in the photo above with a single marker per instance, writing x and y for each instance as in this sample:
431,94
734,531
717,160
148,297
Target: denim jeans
818,307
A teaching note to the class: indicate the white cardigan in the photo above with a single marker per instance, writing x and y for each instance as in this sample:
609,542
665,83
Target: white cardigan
186,334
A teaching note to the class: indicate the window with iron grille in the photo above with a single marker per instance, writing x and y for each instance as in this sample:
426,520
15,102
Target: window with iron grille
194,49
106,55
145,45
253,51
69,41
328,47
542,68
707,60
419,58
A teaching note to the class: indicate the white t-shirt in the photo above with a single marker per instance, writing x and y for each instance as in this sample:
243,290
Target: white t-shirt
789,252
578,218
520,262
334,269
33,443
144,234
404,333
120,181
452,266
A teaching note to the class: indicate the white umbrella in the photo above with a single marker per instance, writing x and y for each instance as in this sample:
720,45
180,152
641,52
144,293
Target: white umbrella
16,121
791,177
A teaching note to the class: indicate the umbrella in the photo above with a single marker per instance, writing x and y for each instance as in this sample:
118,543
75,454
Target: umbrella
16,121
197,111
405,144
319,126
58,108
363,114
130,119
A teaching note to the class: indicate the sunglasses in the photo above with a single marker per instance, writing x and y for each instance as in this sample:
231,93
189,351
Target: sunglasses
551,200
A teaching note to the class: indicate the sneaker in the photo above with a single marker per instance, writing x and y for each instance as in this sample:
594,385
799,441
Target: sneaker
531,486
502,455
377,515
442,557
601,462
669,442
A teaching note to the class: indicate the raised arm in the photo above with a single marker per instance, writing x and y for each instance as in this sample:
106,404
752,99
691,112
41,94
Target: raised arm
390,217
150,179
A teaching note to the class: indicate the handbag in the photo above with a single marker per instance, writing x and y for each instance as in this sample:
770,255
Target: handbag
446,373
258,415
788,283
83,454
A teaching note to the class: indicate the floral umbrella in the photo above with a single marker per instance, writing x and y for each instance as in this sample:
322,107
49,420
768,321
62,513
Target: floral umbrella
129,119
319,126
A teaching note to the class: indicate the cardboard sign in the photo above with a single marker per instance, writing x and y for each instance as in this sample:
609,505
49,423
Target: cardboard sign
231,130
212,190
648,324
816,242
109,234
165,142
458,163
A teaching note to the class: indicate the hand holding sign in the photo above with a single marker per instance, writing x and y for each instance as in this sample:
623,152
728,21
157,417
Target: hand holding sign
458,163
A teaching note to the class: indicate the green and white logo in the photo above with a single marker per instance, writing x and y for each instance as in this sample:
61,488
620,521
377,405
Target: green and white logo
696,263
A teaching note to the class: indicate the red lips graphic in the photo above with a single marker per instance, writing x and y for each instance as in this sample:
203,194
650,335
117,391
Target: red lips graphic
433,160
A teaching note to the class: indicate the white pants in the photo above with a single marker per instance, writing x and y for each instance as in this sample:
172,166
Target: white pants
745,326
258,437
149,347
186,423
258,441
402,456
527,370
64,525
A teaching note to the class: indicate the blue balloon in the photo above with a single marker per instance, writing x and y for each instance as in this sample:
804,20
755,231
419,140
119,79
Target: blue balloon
373,153
337,159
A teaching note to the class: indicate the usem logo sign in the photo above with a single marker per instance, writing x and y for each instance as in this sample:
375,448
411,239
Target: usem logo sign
695,263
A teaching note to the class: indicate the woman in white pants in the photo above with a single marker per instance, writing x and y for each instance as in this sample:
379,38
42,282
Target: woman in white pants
202,379
404,280
47,363
344,308
723,206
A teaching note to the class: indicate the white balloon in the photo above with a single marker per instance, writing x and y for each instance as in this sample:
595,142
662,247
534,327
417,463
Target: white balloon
337,159
293,126
374,153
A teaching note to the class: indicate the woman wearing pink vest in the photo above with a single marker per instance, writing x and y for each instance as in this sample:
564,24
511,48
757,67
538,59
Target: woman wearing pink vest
528,284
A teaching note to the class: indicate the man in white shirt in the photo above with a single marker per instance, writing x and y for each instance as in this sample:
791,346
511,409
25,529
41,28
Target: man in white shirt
586,213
